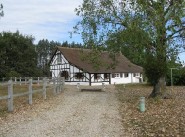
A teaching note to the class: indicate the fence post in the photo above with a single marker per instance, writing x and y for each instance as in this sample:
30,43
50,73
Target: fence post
15,79
38,81
30,92
54,86
44,87
25,80
20,80
63,82
10,95
60,84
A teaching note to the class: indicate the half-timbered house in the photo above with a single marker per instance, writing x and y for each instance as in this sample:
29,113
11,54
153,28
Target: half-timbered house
71,64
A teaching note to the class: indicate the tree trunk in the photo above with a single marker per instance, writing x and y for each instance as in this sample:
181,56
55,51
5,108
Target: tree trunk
159,89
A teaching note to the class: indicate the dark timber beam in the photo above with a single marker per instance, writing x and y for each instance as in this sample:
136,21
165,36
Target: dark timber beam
89,79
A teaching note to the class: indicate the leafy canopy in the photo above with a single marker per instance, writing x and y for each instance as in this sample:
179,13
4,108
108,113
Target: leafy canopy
154,27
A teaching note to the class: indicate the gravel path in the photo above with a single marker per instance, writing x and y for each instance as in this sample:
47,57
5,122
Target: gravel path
72,113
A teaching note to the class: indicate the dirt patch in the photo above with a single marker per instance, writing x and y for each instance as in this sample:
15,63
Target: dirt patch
72,113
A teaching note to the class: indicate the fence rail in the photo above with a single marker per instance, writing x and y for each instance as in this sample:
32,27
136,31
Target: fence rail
57,84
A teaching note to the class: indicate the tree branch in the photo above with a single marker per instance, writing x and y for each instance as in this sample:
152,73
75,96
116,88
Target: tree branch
178,31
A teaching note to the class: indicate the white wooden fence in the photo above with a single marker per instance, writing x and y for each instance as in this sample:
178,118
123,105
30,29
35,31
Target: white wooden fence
56,85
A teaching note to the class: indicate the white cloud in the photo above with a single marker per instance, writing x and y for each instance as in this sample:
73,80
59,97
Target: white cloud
49,19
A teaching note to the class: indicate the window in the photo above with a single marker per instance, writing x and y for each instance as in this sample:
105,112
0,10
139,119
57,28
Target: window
97,76
116,75
126,75
136,74
79,75
106,76
65,74
121,75
59,58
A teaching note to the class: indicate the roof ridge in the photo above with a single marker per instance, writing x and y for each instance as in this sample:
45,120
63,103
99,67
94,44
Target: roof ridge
72,48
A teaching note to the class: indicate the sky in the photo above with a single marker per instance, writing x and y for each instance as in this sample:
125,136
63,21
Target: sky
43,19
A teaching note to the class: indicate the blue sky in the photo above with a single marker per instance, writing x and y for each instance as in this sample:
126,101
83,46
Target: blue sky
43,19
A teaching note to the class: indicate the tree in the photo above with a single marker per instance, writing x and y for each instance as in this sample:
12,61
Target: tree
1,10
157,27
17,55
45,49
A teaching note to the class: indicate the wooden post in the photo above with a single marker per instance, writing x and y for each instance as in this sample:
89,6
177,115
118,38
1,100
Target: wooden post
57,85
54,86
109,78
30,92
103,86
44,87
60,84
15,79
89,79
38,81
20,80
10,96
25,81
63,82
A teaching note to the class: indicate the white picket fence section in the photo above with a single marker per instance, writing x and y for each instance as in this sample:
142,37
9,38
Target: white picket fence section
55,84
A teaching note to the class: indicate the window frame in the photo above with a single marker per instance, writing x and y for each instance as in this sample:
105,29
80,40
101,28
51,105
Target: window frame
106,76
126,75
65,75
97,76
117,75
79,75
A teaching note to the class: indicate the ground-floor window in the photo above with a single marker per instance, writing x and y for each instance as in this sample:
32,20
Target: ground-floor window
136,74
106,76
116,75
65,74
79,75
126,75
97,76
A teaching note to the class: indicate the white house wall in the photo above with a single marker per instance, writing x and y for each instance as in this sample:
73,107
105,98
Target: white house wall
65,65
124,80
58,68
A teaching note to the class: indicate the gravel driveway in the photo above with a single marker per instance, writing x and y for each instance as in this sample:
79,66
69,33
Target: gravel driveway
72,113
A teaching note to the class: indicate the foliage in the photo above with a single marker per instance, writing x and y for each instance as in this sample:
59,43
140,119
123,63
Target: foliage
178,76
154,31
17,55
1,10
44,50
